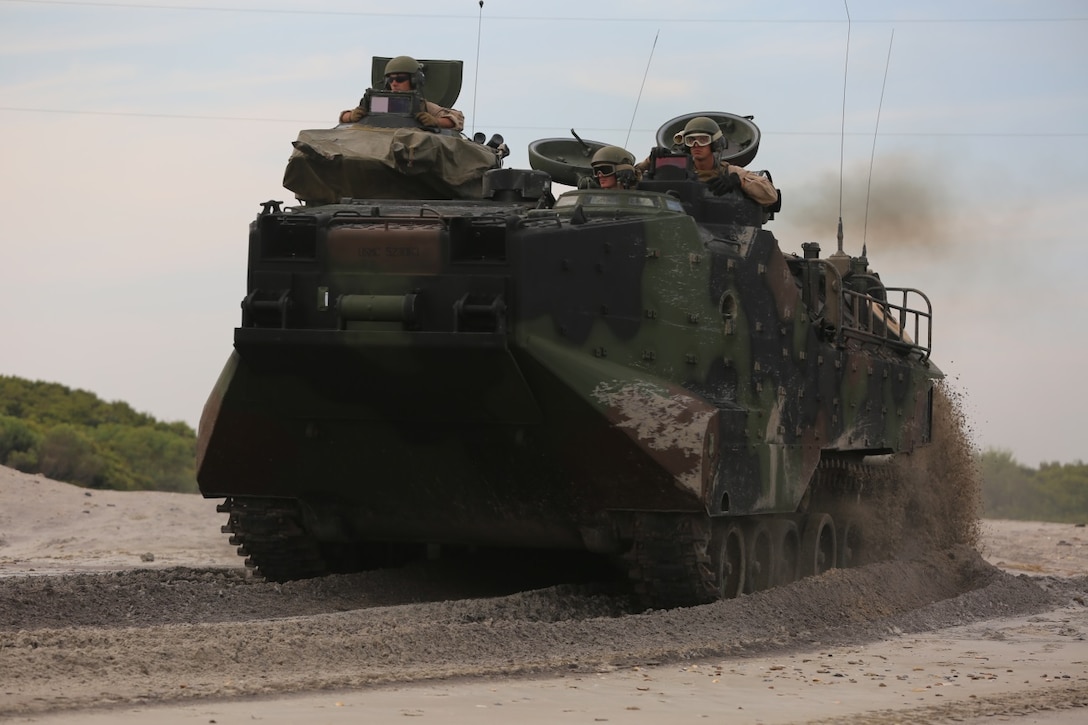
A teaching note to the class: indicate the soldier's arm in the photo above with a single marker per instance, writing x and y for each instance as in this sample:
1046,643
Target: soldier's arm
352,115
756,186
455,117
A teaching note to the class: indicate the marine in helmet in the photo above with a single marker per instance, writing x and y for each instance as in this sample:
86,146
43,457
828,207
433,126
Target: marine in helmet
614,168
702,138
405,73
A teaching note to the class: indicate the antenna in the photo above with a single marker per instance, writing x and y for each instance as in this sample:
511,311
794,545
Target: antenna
869,184
842,130
476,77
644,74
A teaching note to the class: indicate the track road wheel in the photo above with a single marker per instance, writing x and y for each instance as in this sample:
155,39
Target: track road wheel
788,542
818,546
727,557
761,556
851,539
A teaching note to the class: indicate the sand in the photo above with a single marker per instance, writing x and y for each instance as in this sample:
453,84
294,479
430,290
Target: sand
132,608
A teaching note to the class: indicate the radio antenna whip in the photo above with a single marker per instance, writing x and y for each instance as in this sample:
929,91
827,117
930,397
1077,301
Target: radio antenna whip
842,130
645,73
476,77
876,130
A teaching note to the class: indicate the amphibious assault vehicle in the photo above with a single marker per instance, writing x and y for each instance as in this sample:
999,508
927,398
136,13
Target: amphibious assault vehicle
642,373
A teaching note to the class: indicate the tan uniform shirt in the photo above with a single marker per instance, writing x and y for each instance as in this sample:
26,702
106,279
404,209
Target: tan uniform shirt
757,187
453,114
434,109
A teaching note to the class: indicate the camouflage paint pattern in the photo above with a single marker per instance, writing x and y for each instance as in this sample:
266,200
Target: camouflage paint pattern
486,373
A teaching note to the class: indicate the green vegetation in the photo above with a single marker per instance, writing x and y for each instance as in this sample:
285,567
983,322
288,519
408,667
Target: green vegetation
1054,492
73,436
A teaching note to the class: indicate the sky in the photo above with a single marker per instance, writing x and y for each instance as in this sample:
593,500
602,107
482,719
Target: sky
950,137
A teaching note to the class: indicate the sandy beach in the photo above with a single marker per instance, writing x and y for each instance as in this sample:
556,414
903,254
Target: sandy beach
1011,645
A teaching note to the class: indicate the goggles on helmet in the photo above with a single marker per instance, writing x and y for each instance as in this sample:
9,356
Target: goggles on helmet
694,139
604,169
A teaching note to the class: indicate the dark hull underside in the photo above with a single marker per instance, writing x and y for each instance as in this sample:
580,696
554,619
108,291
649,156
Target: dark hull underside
395,451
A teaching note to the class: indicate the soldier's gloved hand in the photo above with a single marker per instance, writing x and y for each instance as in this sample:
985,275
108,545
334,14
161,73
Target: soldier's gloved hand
587,182
427,119
723,184
356,114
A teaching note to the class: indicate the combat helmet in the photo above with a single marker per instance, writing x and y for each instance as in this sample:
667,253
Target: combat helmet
701,125
405,64
615,160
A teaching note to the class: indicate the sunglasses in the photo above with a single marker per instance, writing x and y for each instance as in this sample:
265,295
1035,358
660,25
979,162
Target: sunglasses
604,169
693,139
398,77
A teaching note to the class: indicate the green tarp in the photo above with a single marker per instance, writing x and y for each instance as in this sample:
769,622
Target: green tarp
365,162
